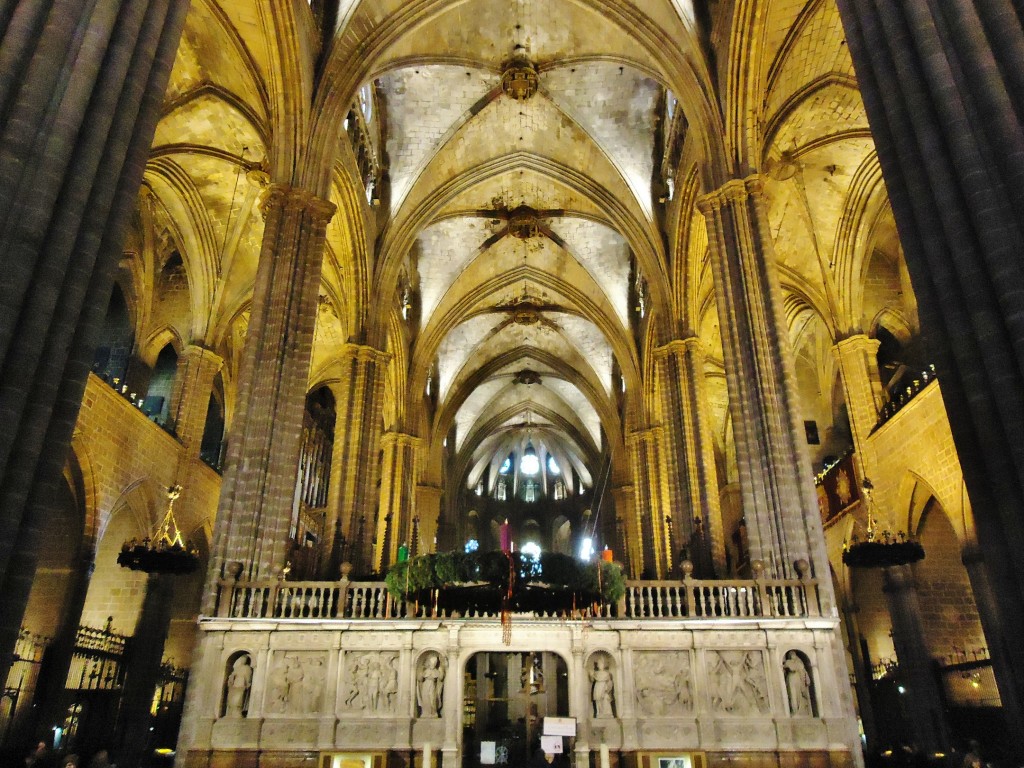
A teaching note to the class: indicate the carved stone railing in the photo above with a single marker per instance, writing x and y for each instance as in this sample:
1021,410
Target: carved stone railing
687,599
731,599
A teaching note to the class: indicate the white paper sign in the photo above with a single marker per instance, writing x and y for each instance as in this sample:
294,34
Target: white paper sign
559,726
551,744
487,752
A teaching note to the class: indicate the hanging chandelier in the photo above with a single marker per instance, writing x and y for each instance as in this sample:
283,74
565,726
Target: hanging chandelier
880,549
165,551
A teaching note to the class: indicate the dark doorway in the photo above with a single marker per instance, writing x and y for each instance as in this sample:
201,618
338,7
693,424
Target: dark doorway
506,697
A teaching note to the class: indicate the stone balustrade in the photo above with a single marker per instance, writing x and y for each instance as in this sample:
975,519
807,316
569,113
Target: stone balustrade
687,599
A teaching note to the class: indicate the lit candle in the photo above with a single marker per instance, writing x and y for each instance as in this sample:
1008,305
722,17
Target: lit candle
506,536
403,553
607,555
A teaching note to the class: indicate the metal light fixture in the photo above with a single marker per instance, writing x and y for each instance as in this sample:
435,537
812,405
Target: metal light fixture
165,551
880,549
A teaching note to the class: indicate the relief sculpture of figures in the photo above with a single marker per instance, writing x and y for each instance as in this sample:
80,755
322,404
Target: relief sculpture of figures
429,692
798,685
371,682
239,682
603,689
662,683
739,685
296,684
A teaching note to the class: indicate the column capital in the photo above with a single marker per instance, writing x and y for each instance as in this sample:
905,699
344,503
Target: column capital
400,439
679,347
298,200
429,491
643,435
732,191
203,354
858,342
365,353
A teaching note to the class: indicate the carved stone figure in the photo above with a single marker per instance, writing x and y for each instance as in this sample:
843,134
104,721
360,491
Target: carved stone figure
296,683
278,688
239,682
312,684
662,681
603,688
429,691
798,685
371,682
739,685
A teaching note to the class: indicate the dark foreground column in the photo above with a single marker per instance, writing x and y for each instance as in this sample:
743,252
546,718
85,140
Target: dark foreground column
944,91
81,85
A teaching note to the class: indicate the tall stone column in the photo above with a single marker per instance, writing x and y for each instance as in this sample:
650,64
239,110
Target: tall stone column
774,469
428,510
862,389
650,484
922,697
142,669
82,85
399,471
684,412
628,528
942,89
263,450
190,396
50,702
358,396
994,627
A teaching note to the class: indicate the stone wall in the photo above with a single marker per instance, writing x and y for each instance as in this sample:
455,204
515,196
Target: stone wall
300,688
127,461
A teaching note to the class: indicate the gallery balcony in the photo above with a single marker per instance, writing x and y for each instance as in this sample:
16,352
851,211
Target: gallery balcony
725,599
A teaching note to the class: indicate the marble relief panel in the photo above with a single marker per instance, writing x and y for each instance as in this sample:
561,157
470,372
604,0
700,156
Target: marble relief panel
663,683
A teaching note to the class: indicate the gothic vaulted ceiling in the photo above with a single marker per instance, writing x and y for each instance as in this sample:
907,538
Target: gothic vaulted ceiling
515,182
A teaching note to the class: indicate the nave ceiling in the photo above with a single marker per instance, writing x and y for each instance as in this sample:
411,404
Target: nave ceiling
519,259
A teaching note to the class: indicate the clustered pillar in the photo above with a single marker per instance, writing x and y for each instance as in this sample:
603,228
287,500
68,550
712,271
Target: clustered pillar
684,412
399,471
351,505
79,119
941,83
263,455
862,390
190,398
923,700
774,469
649,482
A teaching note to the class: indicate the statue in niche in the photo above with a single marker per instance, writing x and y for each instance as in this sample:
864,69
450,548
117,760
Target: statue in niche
739,684
371,681
662,683
798,685
239,682
603,688
430,688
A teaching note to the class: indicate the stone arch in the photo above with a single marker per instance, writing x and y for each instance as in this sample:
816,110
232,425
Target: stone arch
949,613
115,591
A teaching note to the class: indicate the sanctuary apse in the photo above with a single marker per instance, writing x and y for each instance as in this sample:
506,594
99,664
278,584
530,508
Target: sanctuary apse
710,289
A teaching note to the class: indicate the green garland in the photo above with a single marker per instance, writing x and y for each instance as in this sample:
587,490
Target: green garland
554,571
